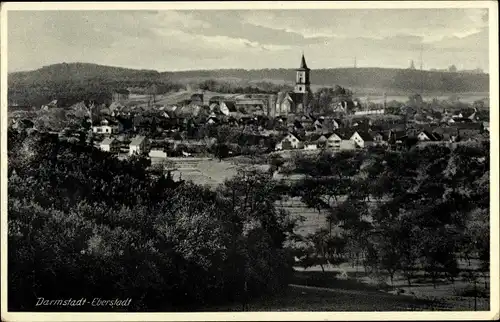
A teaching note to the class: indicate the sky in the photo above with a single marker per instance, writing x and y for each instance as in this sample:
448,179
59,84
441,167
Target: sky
171,40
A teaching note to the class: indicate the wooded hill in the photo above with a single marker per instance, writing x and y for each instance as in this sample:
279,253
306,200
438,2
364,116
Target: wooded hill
83,80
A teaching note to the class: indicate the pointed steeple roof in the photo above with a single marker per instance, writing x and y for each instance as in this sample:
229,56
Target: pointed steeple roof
303,64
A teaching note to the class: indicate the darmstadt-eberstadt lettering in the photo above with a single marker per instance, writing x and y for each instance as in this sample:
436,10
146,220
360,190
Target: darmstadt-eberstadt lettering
83,301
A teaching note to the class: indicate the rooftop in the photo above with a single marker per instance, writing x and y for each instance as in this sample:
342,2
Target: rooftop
249,102
137,140
107,141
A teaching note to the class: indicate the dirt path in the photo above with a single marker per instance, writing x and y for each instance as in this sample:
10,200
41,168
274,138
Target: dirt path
347,292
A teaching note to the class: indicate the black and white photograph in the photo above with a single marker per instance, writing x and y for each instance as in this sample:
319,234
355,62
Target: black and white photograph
249,160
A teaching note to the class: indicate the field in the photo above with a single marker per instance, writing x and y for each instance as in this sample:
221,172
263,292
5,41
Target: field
313,290
303,298
208,171
317,291
457,295
312,220
467,98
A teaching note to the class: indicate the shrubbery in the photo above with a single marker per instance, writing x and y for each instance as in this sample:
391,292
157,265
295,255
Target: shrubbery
400,212
84,224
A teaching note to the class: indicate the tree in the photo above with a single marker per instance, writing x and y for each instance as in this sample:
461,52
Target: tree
221,151
319,241
326,98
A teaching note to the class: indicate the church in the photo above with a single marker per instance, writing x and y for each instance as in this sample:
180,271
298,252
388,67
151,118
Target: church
296,102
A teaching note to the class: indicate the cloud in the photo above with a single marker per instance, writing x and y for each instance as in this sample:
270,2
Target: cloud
430,25
193,39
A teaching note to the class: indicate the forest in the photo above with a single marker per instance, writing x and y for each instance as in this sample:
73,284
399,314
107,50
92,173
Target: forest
75,82
80,217
414,214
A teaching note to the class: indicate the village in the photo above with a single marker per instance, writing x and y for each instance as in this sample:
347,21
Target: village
202,123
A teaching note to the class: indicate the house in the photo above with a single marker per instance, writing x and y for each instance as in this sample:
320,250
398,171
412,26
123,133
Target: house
290,141
138,145
397,136
378,138
190,110
228,108
472,115
297,125
467,130
428,136
213,119
109,145
318,124
333,141
251,106
319,139
362,139
310,146
305,120
157,153
343,106
447,120
315,142
361,123
171,108
215,100
449,134
214,107
332,124
196,99
462,120
107,127
339,140
50,105
370,112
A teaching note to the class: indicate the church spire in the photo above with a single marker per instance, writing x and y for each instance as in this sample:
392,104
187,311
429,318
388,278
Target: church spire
303,64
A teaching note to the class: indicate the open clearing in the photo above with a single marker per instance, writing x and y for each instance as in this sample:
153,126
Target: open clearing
208,171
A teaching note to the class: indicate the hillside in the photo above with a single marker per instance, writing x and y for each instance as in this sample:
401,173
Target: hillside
395,80
78,81
78,72
71,83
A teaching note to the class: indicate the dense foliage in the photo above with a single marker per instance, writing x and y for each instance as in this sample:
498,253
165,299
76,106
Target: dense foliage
236,87
84,224
401,213
78,81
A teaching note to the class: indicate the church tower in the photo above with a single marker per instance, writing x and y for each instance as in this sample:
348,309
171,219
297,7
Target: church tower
303,84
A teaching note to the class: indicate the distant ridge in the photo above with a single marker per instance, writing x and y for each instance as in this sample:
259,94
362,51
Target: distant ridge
49,80
78,72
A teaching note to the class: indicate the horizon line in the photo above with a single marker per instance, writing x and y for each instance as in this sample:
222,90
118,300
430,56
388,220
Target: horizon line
236,68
